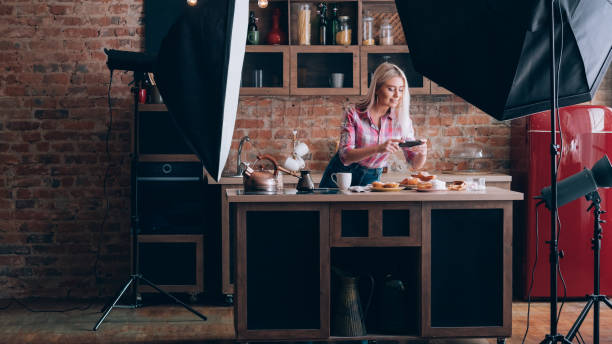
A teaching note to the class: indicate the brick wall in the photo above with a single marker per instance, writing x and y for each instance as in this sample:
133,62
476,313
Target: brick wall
53,125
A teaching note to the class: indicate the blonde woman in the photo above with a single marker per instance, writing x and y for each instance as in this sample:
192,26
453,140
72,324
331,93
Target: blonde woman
373,129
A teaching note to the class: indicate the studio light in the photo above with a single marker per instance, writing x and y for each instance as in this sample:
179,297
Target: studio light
192,2
581,183
262,3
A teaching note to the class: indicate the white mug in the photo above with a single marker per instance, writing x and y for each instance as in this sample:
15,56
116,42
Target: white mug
342,180
294,164
336,80
301,149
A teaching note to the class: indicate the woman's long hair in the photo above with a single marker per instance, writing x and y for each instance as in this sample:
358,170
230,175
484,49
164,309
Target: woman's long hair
383,73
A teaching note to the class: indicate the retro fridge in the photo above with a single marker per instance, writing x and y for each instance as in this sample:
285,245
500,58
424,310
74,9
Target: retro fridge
585,136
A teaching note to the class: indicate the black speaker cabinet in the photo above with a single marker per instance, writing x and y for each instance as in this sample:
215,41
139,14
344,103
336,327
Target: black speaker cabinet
171,198
174,262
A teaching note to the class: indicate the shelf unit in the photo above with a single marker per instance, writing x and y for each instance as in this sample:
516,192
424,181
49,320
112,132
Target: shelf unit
294,69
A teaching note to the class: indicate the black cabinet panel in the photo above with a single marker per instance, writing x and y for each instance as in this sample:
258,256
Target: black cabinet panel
283,278
354,223
466,267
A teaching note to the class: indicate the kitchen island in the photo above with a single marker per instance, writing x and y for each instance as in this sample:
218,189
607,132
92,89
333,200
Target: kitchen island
451,250
227,237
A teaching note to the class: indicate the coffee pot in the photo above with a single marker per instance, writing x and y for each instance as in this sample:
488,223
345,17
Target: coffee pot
394,306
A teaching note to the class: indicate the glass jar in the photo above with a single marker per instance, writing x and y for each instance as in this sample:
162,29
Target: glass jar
368,30
386,33
343,37
304,24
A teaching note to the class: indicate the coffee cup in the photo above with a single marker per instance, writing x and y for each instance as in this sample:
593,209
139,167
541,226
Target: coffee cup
294,164
336,80
342,180
301,149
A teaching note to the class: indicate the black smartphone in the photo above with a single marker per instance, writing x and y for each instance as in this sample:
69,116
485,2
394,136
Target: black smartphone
411,143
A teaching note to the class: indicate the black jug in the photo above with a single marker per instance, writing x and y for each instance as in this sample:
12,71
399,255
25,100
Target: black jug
394,307
348,317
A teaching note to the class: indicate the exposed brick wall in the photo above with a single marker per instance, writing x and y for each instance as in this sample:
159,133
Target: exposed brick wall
53,121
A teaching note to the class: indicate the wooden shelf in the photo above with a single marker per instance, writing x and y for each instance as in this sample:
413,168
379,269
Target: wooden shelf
152,107
405,63
272,64
168,158
318,73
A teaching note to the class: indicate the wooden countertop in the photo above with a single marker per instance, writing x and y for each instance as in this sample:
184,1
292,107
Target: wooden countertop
490,194
386,177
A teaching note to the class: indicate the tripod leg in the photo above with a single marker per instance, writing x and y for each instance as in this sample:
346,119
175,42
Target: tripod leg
113,303
607,302
173,298
572,332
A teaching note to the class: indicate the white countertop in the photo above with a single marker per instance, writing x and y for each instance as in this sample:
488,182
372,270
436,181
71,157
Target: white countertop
385,177
490,194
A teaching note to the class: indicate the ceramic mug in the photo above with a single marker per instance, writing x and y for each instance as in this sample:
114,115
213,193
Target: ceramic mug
301,149
342,180
336,80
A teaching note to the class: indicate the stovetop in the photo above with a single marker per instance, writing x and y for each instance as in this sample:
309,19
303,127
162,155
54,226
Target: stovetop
318,191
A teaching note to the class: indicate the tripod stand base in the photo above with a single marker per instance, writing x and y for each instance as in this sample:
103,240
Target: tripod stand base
113,304
558,338
592,300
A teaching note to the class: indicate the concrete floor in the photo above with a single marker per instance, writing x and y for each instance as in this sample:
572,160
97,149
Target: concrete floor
174,324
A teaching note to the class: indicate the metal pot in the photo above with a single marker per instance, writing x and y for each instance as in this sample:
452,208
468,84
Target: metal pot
260,180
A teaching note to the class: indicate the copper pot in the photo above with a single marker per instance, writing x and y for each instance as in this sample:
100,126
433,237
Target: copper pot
260,180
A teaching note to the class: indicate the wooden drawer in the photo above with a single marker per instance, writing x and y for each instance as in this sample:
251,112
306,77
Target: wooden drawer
367,225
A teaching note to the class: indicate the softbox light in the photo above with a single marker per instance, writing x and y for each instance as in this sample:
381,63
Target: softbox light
198,73
495,54
581,183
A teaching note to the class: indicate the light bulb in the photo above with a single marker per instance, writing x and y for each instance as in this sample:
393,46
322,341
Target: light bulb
192,2
262,3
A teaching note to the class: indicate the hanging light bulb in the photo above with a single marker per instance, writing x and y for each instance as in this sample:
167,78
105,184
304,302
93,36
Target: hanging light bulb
192,2
262,3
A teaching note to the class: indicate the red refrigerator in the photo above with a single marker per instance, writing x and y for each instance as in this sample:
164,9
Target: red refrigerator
587,136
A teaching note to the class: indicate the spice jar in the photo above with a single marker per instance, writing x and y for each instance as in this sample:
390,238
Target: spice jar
304,24
343,37
386,33
368,30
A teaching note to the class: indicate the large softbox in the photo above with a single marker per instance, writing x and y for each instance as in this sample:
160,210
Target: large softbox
495,54
198,73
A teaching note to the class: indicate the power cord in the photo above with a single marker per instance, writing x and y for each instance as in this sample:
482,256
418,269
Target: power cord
535,263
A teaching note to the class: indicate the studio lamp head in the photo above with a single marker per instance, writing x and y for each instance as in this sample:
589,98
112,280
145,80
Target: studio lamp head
580,184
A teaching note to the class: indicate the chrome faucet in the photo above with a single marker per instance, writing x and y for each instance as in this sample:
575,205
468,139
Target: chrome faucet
239,168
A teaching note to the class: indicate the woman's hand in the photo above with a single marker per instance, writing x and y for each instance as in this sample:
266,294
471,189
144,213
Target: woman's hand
418,160
390,146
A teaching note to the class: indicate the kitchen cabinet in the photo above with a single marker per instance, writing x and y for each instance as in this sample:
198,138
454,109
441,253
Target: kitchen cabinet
312,68
373,56
295,69
453,256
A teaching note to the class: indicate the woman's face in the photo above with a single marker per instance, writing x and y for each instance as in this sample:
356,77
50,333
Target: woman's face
390,93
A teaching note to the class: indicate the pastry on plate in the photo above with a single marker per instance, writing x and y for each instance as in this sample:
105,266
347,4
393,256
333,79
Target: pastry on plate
424,176
377,185
424,186
410,181
391,185
457,185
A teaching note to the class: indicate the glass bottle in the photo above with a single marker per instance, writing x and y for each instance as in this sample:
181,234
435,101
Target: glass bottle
253,32
386,33
368,30
334,25
343,37
304,24
323,24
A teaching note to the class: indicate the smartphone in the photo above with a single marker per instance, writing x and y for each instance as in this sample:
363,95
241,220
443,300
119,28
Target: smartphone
411,143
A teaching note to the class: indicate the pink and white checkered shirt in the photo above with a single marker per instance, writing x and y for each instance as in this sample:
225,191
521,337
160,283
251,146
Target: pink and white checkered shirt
358,131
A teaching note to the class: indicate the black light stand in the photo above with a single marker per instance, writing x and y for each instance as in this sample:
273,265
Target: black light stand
553,336
136,277
594,299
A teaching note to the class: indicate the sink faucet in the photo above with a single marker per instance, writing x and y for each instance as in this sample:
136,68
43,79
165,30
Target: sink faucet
239,168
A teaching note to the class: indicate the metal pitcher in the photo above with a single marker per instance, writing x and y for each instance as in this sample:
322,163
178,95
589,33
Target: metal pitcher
348,318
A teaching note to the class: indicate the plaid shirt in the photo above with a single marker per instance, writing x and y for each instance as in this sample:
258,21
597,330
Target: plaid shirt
358,131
